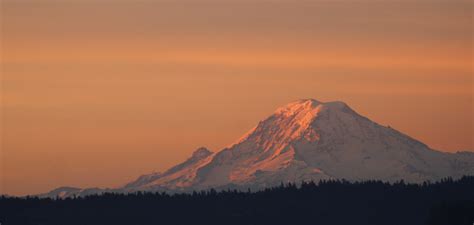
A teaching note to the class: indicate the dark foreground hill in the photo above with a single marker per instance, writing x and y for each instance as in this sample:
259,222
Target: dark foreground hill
448,202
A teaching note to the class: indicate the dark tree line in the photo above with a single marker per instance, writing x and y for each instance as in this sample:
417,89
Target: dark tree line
448,202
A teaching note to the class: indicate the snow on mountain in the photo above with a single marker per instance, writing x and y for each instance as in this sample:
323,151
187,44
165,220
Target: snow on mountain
310,140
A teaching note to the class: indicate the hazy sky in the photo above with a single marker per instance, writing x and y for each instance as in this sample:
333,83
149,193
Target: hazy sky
96,93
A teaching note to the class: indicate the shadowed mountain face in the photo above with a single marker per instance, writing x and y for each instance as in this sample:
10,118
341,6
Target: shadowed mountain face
309,140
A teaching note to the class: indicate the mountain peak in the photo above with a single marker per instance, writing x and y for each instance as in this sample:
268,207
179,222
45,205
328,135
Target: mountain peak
310,107
298,106
201,152
336,105
307,101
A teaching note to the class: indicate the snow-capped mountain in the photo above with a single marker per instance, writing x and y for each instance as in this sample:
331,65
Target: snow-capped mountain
309,140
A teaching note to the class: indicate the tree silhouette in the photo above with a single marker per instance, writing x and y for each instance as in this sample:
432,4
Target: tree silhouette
447,202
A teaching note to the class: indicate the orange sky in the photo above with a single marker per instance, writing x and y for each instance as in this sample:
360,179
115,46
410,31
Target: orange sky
95,93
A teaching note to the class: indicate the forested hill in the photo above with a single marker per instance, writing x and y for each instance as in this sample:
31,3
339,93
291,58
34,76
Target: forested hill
448,202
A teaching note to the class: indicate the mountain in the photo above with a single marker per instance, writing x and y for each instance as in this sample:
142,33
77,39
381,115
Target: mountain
309,140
